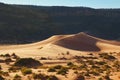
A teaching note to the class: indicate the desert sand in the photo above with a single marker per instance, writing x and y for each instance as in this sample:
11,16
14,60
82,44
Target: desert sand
56,48
74,43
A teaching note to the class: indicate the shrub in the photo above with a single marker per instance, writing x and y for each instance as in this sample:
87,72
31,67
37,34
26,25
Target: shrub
62,58
39,76
17,77
105,67
4,73
52,69
13,69
62,71
76,72
74,67
80,77
44,77
14,56
100,63
107,56
70,64
100,78
95,73
90,53
43,58
7,55
67,52
93,66
27,62
26,71
107,77
52,77
58,67
83,66
116,64
8,60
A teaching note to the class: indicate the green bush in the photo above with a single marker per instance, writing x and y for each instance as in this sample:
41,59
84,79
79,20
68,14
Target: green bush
107,77
52,77
116,64
70,64
95,73
52,69
80,77
7,55
27,62
44,77
14,69
58,67
39,76
17,77
100,78
100,62
107,56
106,67
43,58
62,71
26,71
4,73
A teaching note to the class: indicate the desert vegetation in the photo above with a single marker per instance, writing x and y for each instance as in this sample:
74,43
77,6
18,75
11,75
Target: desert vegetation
102,66
55,62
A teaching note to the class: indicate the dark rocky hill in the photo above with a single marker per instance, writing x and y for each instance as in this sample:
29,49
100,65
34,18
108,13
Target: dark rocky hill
24,24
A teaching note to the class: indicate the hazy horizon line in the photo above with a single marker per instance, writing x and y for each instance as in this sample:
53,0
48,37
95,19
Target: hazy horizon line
58,6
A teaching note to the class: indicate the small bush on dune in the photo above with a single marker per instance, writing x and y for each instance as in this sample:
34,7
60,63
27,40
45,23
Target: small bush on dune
100,78
62,71
38,76
14,56
107,77
101,63
43,58
116,64
70,64
8,60
7,55
26,71
80,77
44,77
17,77
27,62
14,69
4,73
52,77
58,67
107,56
52,69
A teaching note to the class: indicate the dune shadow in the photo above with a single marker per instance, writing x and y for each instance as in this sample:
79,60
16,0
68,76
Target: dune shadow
79,44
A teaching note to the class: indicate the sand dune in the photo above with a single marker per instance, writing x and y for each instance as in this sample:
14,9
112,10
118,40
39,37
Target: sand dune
75,43
81,42
84,42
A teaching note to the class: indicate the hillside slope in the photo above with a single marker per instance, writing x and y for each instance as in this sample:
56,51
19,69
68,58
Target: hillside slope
25,24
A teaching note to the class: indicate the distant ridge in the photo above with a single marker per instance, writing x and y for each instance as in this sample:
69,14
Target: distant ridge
27,23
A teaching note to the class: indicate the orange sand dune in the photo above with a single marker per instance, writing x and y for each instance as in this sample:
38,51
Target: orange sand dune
84,42
75,43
